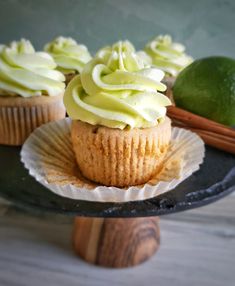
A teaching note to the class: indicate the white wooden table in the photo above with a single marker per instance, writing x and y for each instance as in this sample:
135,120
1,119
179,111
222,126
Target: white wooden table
197,248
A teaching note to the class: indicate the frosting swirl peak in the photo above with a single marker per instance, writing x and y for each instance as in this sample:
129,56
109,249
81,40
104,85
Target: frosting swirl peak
68,54
117,89
168,55
122,56
28,73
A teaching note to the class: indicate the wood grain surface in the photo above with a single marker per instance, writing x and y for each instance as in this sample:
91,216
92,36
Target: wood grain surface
197,248
114,242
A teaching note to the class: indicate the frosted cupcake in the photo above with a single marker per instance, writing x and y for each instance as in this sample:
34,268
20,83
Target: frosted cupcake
69,56
120,132
105,52
168,56
31,91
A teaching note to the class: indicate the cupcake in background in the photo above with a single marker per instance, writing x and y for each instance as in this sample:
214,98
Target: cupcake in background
69,56
146,58
127,48
120,132
31,91
168,56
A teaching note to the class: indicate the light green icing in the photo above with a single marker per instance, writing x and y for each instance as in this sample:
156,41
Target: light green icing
68,54
167,55
117,89
141,57
28,73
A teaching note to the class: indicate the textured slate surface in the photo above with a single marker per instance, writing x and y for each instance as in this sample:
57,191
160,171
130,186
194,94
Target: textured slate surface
215,179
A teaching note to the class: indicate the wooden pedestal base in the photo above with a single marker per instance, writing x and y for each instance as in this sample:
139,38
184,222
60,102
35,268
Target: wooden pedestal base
116,242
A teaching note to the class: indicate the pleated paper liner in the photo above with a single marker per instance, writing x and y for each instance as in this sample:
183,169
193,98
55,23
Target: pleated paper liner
49,157
19,116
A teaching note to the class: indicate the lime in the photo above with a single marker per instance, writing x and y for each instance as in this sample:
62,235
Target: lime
207,87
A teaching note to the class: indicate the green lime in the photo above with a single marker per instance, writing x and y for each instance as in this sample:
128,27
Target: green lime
207,87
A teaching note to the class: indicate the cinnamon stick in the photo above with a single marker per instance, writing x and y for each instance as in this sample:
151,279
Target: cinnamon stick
218,141
212,133
200,122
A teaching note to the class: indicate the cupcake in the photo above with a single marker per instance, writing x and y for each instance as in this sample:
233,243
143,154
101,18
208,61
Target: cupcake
69,56
128,47
168,56
31,91
120,132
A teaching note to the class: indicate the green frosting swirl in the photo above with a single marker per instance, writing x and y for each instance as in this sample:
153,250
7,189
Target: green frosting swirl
68,54
28,73
167,56
117,89
127,49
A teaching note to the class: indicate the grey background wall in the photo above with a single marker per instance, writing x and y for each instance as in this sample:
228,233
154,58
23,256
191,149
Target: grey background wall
206,27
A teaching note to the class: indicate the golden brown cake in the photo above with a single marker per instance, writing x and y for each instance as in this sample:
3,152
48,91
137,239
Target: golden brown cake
115,157
19,116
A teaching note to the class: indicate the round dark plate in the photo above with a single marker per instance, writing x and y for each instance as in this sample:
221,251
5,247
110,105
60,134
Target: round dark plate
215,179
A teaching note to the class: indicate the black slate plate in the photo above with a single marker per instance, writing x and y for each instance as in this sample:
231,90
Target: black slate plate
215,179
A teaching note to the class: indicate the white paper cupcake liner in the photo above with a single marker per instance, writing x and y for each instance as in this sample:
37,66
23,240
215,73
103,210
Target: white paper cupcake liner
21,116
49,157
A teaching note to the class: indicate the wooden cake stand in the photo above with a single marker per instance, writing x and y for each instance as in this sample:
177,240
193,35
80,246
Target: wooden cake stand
116,242
117,234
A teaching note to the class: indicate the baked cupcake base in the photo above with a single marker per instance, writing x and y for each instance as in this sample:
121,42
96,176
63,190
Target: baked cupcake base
69,77
19,116
115,157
